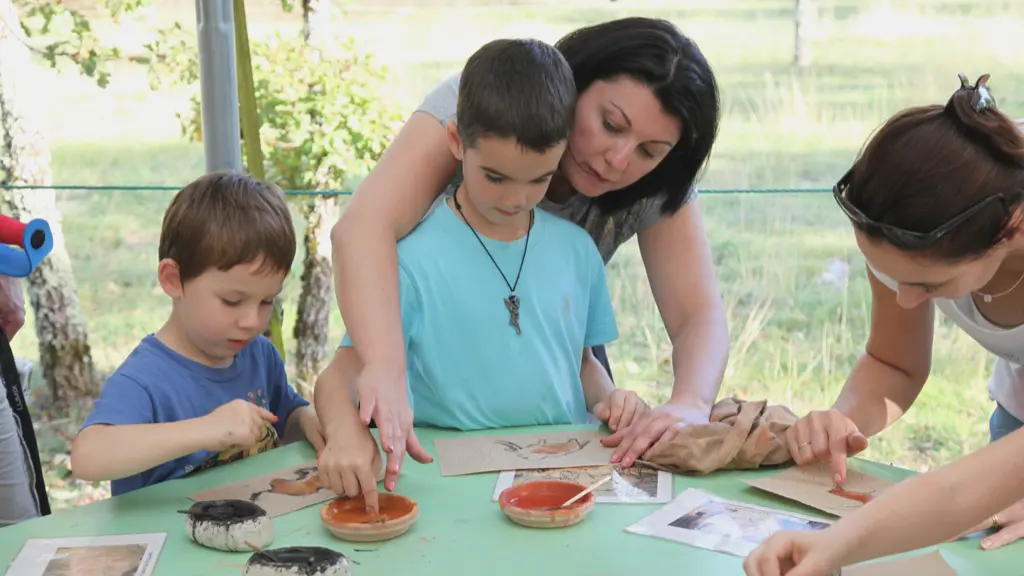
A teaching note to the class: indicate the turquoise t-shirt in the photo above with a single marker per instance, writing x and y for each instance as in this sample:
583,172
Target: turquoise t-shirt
468,369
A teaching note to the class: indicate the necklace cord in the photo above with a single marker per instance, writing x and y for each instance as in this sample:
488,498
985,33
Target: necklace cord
511,287
989,297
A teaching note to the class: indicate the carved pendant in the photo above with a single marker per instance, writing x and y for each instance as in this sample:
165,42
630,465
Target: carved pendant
512,303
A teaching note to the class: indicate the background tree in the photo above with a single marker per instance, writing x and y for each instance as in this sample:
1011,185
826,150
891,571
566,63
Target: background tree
64,352
324,120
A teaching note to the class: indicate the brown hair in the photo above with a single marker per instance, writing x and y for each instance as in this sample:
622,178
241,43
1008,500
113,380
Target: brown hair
224,219
518,88
928,164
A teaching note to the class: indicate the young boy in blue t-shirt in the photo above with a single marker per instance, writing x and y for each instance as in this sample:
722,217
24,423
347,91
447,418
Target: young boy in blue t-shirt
500,300
208,387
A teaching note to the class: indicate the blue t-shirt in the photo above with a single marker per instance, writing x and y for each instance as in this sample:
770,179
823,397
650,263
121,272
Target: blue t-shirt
156,385
468,369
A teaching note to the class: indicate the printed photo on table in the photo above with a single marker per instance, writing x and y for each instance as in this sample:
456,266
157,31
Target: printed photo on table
701,519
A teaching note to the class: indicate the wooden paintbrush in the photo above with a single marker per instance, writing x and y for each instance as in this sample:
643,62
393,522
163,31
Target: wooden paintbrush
581,494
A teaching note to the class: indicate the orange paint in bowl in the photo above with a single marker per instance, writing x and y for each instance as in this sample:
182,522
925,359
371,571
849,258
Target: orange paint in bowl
353,510
347,518
527,503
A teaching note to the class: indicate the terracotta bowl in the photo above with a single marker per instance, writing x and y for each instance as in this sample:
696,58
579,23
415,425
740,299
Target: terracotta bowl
347,519
525,503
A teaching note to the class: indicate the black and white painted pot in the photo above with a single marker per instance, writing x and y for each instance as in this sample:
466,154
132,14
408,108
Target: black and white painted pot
298,561
229,525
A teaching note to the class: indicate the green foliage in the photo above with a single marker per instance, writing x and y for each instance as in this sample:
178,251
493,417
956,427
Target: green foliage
66,34
324,119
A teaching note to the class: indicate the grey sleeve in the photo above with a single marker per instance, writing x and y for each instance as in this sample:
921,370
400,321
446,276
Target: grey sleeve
651,212
442,101
17,498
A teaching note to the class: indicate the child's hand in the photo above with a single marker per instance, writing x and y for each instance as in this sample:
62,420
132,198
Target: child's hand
351,465
620,409
237,424
794,553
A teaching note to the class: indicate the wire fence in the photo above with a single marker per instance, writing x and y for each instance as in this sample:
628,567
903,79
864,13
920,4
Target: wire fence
329,192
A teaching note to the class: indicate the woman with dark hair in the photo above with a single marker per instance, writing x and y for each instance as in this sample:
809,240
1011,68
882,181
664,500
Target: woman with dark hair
646,120
936,201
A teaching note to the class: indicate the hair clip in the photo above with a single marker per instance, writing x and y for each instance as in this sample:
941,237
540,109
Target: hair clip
981,98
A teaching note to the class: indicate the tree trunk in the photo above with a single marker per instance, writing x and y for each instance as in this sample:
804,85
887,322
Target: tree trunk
802,48
312,323
64,352
317,22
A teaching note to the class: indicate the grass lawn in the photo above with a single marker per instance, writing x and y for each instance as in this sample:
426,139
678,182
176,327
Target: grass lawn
793,282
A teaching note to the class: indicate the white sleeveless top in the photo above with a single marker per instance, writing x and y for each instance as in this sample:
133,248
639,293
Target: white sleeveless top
1006,386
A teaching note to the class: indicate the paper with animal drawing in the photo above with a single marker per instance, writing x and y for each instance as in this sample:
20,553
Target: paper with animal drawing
279,492
473,454
812,485
930,564
635,485
134,554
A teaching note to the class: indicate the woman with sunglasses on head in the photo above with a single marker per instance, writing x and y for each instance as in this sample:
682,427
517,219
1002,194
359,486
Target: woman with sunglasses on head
937,205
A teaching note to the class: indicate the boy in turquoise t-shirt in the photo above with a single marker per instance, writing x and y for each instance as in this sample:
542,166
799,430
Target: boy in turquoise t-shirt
499,299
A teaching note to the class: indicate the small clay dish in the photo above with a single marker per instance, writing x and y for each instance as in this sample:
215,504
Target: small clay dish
228,525
347,519
298,561
533,504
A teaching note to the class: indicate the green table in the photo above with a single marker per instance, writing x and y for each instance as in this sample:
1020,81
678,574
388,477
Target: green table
459,530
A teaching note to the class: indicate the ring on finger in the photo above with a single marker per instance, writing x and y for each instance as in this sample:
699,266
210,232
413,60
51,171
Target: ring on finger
995,521
802,445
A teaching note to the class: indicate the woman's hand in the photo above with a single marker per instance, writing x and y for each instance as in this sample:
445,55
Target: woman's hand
825,436
12,306
384,397
1010,526
651,430
681,271
386,206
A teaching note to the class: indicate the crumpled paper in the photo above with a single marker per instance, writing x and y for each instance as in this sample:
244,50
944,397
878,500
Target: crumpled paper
741,435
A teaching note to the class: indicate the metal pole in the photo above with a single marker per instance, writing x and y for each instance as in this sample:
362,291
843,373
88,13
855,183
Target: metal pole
219,85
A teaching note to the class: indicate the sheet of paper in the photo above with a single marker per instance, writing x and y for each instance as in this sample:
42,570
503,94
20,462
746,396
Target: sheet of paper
134,554
811,485
473,454
930,564
636,485
701,519
280,492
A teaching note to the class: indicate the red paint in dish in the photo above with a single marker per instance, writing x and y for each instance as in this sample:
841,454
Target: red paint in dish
353,510
535,504
543,494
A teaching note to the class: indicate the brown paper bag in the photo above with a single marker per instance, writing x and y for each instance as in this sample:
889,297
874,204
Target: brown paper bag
741,435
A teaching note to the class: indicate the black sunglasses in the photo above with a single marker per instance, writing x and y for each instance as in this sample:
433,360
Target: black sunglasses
906,238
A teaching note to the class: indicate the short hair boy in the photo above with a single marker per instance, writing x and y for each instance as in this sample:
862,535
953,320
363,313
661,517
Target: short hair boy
208,387
499,299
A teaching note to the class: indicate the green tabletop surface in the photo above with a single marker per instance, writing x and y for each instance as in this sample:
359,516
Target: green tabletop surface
459,529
